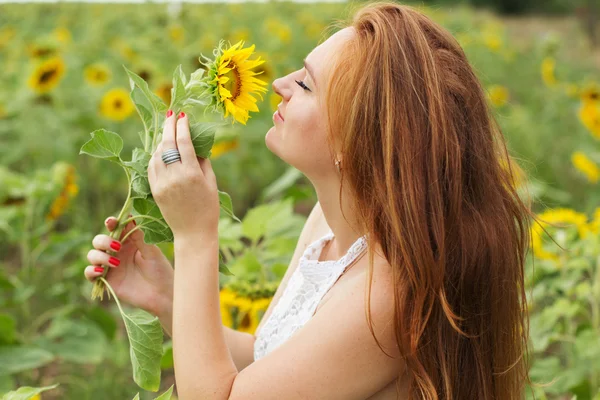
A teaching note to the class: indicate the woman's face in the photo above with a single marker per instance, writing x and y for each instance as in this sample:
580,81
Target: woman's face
300,137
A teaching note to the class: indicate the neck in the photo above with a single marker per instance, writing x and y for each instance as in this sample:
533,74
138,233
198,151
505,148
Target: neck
344,226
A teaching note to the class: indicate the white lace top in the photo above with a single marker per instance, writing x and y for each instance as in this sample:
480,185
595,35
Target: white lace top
305,289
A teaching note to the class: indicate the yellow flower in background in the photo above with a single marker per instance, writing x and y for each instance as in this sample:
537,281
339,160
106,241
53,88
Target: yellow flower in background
498,95
594,225
227,300
97,74
245,321
274,100
63,35
232,81
41,50
250,313
37,397
68,191
164,92
572,90
177,33
589,115
279,29
586,166
314,29
548,71
6,34
564,217
47,75
116,104
223,147
590,94
492,39
240,35
125,50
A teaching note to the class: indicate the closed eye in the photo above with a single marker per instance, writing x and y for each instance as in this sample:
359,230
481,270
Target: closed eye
303,86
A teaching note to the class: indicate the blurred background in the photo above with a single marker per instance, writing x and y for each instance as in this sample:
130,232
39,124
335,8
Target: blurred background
61,77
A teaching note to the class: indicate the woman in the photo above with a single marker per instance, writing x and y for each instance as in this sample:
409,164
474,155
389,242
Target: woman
390,124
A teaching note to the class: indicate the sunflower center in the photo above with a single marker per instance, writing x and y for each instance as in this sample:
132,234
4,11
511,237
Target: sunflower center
47,75
118,103
234,84
245,323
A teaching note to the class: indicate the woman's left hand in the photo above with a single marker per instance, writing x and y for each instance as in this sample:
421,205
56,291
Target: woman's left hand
185,191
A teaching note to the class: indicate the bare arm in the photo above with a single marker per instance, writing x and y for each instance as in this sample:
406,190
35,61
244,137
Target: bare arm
241,344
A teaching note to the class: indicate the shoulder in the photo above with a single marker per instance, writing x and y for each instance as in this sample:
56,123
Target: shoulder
335,355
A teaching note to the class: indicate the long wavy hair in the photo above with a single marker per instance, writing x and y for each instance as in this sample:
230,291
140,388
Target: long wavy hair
435,186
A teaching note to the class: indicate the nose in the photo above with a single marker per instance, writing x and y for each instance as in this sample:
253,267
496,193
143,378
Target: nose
281,89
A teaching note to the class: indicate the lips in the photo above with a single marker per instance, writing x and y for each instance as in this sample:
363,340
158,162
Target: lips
280,114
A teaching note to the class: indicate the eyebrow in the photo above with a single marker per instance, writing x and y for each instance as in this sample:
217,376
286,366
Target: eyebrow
310,71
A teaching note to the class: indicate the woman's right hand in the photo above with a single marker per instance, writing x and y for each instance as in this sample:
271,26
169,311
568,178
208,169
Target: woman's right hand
143,276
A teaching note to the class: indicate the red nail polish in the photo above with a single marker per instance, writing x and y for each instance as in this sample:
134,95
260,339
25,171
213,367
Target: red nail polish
181,114
114,261
99,269
115,245
169,113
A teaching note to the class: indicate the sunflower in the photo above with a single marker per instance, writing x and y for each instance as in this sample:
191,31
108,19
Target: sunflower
116,104
224,147
68,191
47,75
564,217
97,74
586,166
177,33
63,35
232,82
164,92
589,115
548,68
498,95
590,94
227,300
250,313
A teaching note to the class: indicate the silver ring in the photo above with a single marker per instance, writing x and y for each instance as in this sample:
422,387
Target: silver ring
170,156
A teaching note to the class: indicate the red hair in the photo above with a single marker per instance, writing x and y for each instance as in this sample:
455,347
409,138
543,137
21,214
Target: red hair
435,187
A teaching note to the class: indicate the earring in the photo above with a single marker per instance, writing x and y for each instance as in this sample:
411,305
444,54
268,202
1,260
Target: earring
337,165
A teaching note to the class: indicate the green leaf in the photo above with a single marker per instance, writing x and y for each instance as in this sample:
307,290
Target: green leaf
226,205
166,361
137,96
104,144
15,359
166,395
145,340
8,329
179,93
27,392
272,220
203,137
154,231
156,102
137,397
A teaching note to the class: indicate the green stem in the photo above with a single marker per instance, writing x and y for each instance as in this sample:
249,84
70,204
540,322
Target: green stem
110,289
130,232
128,220
98,289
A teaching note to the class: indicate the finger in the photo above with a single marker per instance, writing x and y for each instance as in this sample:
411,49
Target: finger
207,169
169,132
137,238
98,257
158,165
106,243
110,223
184,140
91,272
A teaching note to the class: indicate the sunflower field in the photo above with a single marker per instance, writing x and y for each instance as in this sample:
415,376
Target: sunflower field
62,77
